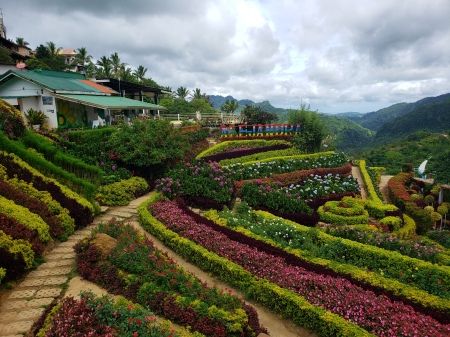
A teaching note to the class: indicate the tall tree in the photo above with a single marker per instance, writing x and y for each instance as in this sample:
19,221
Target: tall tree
139,73
21,42
312,129
82,57
105,67
197,94
125,74
116,64
49,55
53,50
230,106
182,93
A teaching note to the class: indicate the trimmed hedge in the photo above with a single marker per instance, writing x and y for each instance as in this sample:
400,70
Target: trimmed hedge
283,301
17,255
122,192
237,144
25,217
45,167
81,210
68,163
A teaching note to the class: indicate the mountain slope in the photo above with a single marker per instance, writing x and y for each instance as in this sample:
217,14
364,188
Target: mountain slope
347,136
434,117
375,120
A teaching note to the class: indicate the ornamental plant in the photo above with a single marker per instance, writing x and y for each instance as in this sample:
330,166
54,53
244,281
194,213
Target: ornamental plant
208,180
136,269
376,314
11,121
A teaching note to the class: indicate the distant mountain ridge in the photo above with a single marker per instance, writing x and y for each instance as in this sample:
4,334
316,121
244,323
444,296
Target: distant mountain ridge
376,119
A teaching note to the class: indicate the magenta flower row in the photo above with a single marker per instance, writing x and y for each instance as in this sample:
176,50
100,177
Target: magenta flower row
377,314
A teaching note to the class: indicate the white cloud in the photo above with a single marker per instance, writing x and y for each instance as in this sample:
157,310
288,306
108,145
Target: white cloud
345,55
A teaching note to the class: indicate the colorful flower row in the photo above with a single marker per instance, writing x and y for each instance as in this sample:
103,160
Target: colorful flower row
105,317
152,279
376,314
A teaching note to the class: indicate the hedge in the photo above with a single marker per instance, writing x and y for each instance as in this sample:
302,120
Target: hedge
283,301
122,192
81,210
17,255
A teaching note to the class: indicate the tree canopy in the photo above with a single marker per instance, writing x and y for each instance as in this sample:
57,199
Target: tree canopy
256,115
312,129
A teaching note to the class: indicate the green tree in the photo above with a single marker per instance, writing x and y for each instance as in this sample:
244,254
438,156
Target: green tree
21,42
256,115
199,104
150,145
125,74
139,73
312,129
82,58
36,64
439,167
197,94
182,93
49,55
116,65
105,67
5,56
230,106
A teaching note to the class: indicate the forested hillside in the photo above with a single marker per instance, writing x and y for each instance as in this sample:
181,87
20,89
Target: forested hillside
434,117
346,135
375,120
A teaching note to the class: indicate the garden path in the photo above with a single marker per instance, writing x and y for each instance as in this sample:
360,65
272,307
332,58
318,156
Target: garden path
23,305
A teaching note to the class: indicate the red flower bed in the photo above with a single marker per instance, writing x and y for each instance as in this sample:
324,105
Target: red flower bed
375,313
19,231
35,206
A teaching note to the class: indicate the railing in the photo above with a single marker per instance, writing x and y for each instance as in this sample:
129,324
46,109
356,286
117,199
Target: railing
204,119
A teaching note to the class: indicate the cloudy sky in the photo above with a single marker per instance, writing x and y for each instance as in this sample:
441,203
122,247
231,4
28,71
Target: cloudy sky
336,55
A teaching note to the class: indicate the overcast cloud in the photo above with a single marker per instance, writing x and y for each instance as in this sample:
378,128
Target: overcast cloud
336,55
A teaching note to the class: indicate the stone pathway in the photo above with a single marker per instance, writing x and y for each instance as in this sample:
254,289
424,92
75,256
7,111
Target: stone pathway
21,306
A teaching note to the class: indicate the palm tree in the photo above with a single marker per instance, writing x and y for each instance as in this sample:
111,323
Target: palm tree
106,69
125,74
21,42
197,94
116,64
52,50
182,93
139,73
82,57
230,106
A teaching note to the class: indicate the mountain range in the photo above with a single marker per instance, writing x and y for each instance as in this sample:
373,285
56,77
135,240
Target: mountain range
406,132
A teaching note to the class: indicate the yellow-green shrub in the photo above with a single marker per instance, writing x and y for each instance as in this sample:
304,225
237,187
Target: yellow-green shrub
393,222
235,144
122,192
341,220
17,247
408,230
67,222
26,218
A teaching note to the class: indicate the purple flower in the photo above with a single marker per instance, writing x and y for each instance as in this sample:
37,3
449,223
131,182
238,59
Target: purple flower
113,167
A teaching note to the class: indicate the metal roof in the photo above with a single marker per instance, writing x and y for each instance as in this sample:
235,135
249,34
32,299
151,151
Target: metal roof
57,81
110,102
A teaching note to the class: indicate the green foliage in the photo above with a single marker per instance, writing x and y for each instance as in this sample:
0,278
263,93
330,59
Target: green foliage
148,143
11,121
230,106
45,167
19,247
256,115
439,167
432,117
312,129
5,56
35,117
177,106
122,192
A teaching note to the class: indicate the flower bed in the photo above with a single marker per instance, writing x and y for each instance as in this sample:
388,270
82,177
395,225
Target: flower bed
103,316
377,314
135,269
228,156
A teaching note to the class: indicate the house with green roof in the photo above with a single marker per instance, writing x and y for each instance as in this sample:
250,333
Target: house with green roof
68,99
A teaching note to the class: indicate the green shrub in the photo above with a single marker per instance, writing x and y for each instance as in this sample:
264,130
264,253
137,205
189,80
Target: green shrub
25,217
122,192
393,222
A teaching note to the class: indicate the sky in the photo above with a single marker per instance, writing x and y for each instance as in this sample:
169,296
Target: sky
335,55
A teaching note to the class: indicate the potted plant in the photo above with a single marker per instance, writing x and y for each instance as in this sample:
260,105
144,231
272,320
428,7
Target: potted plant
35,118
